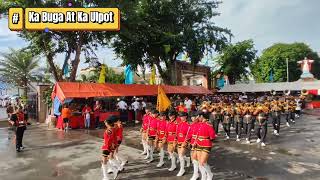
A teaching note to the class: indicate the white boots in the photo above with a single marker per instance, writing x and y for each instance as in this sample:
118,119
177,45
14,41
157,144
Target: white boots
203,173
195,175
147,151
161,162
173,162
151,149
111,166
121,161
206,173
187,159
104,172
182,163
183,160
114,166
288,124
144,144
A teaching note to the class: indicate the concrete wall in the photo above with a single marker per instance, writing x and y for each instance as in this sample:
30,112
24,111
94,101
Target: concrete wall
183,67
42,107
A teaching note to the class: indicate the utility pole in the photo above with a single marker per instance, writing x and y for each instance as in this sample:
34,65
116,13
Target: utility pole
287,59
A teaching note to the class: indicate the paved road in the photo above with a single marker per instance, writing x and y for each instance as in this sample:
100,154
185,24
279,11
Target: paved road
75,155
3,114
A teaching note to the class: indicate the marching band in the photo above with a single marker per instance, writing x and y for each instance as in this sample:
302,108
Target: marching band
181,136
197,136
172,130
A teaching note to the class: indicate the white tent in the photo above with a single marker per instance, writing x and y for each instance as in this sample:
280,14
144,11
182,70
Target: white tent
265,87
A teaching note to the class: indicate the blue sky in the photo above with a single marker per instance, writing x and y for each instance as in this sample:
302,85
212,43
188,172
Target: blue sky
265,21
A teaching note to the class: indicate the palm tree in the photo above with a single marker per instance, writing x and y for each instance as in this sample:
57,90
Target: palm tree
19,67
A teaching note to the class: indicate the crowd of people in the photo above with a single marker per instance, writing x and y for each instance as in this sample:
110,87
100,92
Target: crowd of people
191,125
86,112
242,113
179,136
91,111
137,106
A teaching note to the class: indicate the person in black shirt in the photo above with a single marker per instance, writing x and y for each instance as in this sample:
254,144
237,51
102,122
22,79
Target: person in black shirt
9,110
17,119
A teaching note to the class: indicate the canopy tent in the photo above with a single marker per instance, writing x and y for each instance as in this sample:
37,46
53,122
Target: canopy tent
64,90
311,86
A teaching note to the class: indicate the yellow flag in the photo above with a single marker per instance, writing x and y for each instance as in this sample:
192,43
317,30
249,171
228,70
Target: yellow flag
102,77
152,80
163,102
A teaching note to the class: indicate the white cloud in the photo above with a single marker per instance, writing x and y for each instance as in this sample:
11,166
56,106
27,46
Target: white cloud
272,21
264,21
5,33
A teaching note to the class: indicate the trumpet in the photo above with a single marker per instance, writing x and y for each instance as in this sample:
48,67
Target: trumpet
304,92
205,104
286,92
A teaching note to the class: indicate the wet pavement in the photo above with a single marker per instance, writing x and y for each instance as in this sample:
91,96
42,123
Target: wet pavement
3,114
3,118
53,154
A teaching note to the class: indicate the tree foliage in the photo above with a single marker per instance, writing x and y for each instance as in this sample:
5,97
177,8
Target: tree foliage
154,32
111,76
273,61
47,96
235,59
19,67
73,44
3,7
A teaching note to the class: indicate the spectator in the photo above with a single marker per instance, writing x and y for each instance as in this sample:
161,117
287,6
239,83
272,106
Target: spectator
86,112
143,105
9,110
177,101
188,103
17,119
122,107
181,108
136,108
97,108
66,114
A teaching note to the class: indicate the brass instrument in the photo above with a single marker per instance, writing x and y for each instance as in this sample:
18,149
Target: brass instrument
287,92
262,111
204,105
304,92
275,106
213,107
237,114
227,113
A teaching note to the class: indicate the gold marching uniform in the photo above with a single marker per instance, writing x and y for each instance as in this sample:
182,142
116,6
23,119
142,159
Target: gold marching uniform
276,110
244,116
